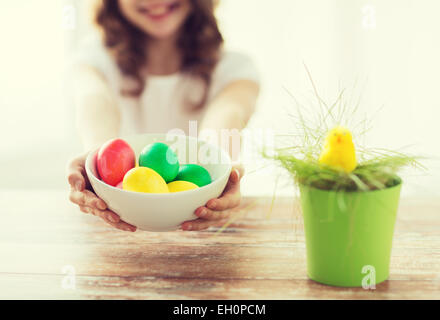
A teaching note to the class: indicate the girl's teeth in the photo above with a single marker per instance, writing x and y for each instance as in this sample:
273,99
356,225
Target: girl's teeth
158,10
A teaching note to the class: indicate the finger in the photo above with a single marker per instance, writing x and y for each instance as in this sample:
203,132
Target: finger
201,224
110,218
87,198
237,173
239,169
229,199
85,209
76,173
230,196
105,214
207,214
234,179
113,219
121,225
76,180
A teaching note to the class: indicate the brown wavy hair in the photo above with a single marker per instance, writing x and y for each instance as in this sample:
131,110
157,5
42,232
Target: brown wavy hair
200,42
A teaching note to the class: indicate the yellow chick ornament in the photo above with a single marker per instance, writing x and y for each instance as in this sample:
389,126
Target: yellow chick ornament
339,152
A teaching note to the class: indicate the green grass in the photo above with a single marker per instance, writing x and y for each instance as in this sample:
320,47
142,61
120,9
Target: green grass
377,168
379,172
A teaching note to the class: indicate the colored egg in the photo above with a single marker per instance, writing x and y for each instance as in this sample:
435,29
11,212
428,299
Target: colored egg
177,186
159,157
114,159
142,179
119,185
195,174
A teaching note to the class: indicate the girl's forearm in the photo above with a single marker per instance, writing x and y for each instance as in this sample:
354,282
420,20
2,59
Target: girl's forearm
231,109
94,123
98,118
226,114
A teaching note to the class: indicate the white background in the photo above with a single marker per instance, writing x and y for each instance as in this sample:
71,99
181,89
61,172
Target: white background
391,46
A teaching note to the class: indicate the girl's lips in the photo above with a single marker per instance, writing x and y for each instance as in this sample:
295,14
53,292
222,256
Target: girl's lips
159,11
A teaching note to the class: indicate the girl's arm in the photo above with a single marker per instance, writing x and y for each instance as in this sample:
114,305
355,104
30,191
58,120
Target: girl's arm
230,109
98,120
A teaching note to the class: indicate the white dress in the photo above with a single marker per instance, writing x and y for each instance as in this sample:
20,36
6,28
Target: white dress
160,108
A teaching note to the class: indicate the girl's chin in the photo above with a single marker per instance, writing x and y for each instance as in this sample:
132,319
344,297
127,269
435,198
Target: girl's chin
161,34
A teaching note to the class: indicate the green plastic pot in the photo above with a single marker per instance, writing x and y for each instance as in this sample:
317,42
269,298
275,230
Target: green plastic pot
349,234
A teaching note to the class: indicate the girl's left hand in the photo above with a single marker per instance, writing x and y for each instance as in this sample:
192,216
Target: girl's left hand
217,211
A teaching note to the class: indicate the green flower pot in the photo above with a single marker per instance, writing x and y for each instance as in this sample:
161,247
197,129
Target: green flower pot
349,235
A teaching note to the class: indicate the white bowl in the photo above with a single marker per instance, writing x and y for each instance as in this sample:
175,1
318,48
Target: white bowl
164,211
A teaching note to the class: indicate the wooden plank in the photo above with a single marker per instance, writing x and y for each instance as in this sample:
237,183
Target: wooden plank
86,287
255,258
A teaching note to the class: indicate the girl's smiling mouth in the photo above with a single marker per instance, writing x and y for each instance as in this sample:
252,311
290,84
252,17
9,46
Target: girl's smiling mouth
159,11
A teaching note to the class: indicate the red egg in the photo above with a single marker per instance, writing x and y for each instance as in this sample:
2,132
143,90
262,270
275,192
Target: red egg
114,159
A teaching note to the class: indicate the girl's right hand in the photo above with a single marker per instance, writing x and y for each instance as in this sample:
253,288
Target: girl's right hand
81,193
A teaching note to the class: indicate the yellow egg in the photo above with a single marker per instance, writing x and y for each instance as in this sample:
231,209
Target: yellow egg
177,186
142,179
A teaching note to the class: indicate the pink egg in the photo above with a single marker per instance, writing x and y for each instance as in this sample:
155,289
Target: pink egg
114,159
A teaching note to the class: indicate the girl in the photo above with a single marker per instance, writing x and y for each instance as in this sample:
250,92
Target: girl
158,65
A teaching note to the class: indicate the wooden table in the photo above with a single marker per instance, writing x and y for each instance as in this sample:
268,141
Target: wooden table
48,249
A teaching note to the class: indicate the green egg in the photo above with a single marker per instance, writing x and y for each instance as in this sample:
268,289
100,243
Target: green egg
195,174
159,157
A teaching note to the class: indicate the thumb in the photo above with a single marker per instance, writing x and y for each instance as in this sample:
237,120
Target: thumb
76,181
239,170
